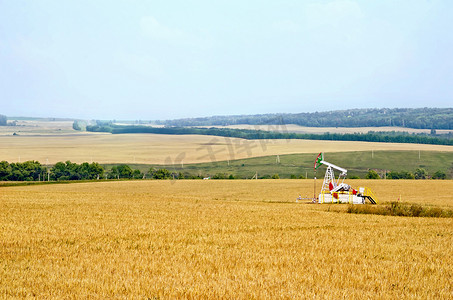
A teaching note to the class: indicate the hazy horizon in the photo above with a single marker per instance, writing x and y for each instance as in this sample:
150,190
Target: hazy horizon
153,60
200,117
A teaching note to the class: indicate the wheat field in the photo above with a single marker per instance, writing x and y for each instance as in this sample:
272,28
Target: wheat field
39,127
219,239
166,149
52,141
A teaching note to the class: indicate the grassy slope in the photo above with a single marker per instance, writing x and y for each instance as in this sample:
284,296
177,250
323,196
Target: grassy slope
357,164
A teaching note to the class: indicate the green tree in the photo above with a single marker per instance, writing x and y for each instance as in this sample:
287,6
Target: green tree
400,175
76,126
95,171
372,174
420,174
3,120
5,170
407,175
125,171
161,174
393,175
26,171
275,176
121,171
58,170
219,176
136,174
439,175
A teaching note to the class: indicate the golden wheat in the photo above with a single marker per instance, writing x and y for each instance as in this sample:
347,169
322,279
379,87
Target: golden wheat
166,149
53,141
217,239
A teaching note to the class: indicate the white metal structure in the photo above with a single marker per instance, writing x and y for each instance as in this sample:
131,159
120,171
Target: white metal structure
334,191
329,178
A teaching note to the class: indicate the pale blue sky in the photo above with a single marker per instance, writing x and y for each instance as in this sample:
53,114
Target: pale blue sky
169,59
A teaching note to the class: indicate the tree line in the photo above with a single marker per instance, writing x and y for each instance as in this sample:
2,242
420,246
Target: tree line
35,171
420,118
68,171
419,173
382,137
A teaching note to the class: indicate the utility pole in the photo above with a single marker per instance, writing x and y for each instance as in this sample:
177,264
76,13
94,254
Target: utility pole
314,187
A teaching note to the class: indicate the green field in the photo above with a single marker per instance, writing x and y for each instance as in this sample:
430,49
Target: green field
357,164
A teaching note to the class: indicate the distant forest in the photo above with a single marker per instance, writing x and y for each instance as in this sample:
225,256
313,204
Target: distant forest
419,118
3,120
385,137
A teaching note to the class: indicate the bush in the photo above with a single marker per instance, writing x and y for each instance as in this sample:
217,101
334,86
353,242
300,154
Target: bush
401,209
219,176
420,173
400,175
160,174
439,175
415,210
372,174
393,175
275,176
434,212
